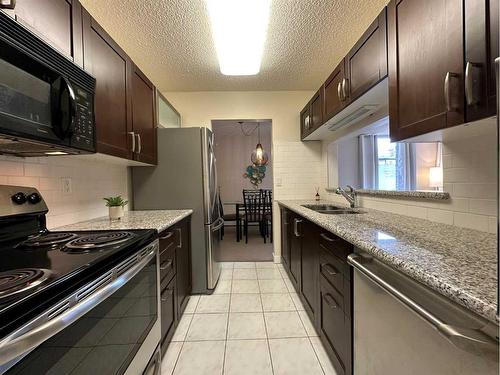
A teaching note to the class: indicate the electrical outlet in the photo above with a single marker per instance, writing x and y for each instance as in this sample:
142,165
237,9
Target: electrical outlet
66,185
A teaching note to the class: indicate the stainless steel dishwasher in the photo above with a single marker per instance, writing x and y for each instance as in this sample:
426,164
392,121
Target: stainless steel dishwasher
402,327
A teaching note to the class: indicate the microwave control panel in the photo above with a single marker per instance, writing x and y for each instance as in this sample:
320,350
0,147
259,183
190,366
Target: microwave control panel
84,128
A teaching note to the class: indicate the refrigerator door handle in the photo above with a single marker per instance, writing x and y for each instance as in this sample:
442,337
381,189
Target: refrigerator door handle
218,224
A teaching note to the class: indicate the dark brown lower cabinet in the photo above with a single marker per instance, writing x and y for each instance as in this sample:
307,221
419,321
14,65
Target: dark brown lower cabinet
317,266
175,277
168,312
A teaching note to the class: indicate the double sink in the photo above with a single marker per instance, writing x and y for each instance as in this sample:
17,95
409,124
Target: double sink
331,209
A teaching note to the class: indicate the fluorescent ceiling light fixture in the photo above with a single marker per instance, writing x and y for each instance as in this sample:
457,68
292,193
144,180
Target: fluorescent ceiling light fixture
239,29
56,153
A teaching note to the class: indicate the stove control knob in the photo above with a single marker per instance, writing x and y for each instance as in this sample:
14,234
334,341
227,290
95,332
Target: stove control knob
34,198
19,198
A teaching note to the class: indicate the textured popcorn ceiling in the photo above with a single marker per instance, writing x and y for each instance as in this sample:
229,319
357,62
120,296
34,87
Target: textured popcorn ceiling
170,40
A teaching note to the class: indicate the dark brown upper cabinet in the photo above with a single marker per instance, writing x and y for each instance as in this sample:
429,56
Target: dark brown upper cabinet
143,117
333,92
57,22
305,121
109,64
317,110
425,54
366,63
481,49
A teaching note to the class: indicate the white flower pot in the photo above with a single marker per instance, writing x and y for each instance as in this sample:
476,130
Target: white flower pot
115,212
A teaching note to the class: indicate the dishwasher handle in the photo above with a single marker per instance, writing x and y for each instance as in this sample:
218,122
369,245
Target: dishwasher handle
469,339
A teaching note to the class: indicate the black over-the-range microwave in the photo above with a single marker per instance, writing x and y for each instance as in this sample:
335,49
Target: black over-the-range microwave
46,101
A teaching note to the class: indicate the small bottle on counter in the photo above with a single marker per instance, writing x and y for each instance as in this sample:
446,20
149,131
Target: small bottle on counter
317,197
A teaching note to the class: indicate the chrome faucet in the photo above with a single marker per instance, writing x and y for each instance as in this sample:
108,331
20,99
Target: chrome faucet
349,195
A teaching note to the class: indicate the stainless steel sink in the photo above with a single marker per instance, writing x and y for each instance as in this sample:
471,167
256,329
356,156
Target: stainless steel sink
331,209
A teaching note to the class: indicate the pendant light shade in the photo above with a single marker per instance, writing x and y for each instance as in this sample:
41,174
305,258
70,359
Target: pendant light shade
259,157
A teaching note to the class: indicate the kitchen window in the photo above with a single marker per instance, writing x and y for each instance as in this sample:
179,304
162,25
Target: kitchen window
372,161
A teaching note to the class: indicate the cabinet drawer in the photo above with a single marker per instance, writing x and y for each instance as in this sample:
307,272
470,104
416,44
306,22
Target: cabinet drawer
334,326
167,239
337,247
167,311
167,264
331,268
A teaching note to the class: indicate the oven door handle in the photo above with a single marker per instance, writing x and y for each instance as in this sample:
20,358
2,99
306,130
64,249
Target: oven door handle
18,344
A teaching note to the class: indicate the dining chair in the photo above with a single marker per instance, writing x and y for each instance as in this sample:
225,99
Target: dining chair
229,217
253,202
267,213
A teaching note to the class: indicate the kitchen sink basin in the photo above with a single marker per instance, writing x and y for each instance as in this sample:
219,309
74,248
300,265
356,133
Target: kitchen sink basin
331,209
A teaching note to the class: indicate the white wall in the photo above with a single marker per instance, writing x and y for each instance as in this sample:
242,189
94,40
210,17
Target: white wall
297,165
90,182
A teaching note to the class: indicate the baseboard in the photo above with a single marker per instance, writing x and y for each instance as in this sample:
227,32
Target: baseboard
277,258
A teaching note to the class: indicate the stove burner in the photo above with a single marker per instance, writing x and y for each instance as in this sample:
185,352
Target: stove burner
48,239
97,241
17,281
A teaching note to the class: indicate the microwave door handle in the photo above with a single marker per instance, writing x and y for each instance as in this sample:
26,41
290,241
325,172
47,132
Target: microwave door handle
64,107
18,344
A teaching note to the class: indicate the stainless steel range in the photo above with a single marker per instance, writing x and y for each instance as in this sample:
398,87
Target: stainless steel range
74,302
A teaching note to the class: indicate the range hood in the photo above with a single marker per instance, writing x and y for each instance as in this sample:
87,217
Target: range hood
368,108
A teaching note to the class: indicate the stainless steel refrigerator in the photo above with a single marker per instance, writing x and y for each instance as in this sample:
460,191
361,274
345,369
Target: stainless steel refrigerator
186,177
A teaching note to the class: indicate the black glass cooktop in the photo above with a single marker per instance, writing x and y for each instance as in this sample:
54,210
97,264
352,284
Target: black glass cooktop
37,270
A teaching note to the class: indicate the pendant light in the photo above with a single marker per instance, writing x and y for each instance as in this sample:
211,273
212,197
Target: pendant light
259,156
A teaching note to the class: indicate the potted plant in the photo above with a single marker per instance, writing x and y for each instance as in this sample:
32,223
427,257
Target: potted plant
115,205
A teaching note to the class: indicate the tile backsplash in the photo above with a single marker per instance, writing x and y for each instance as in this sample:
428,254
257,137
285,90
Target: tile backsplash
72,186
469,175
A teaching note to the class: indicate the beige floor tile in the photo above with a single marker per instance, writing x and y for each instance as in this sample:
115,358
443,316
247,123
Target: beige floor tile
244,265
324,360
246,326
272,286
244,274
268,274
207,327
223,287
277,302
308,324
296,301
261,265
182,328
226,274
216,303
191,305
289,285
247,357
202,357
245,303
284,324
170,358
294,357
227,265
245,286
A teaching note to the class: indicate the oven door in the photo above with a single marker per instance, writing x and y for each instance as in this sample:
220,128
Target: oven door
113,328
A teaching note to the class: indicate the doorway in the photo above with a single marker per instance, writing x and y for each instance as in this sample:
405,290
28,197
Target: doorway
244,171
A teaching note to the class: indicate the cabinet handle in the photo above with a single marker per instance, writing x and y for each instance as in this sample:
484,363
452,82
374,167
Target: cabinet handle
330,269
469,83
167,236
330,301
139,143
447,99
326,238
296,223
7,4
133,140
179,231
339,91
166,265
344,88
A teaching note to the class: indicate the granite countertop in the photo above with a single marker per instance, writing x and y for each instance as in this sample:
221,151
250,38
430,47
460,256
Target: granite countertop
149,219
456,262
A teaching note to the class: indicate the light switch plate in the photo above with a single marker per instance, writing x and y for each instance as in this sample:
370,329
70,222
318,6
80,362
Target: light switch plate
66,185
279,182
